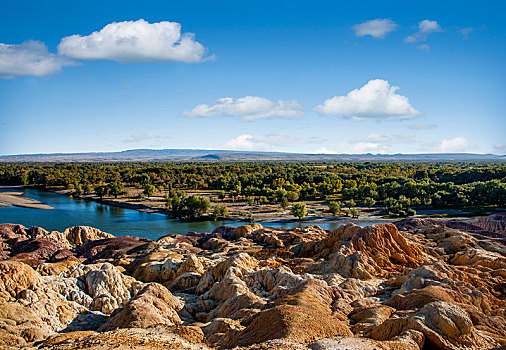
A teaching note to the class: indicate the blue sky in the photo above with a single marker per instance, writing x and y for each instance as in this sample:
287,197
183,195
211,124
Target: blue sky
319,76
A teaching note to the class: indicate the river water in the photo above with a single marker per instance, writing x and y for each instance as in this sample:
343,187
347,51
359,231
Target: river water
69,212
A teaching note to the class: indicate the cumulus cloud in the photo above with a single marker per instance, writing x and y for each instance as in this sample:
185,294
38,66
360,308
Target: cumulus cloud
248,142
425,28
29,58
249,108
375,100
456,144
135,41
376,28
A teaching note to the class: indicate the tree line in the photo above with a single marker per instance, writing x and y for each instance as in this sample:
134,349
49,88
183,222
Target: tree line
397,186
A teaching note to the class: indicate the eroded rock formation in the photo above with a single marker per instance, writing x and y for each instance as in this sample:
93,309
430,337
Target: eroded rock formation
418,284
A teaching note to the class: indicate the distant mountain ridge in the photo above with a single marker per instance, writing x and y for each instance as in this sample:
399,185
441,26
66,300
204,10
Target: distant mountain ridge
200,155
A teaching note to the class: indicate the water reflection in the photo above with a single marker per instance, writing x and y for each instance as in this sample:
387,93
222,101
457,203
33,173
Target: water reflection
118,221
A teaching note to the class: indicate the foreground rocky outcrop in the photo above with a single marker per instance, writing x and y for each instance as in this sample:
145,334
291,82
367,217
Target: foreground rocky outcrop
418,284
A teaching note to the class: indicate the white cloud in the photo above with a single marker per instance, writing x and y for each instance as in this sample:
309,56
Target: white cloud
425,28
423,126
424,47
249,108
323,150
457,144
376,143
29,58
360,147
375,100
135,41
248,142
390,138
372,143
377,28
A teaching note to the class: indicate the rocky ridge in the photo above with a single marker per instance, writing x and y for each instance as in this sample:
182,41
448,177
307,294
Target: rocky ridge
418,284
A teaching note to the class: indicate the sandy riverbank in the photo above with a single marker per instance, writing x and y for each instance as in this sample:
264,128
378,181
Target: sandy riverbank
237,211
259,216
15,198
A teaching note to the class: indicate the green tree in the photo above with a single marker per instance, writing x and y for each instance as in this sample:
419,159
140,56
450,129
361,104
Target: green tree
101,190
354,212
369,202
416,202
404,201
86,188
350,204
24,178
116,188
237,188
437,199
390,203
78,188
280,193
263,200
284,202
334,207
299,210
196,206
292,196
220,211
176,205
308,191
149,190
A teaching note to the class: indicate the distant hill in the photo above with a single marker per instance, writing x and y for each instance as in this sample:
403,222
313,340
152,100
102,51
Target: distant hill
199,155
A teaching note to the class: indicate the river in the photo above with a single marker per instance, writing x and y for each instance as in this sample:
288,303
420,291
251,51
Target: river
69,212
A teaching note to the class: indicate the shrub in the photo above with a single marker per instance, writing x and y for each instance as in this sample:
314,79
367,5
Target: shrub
299,210
334,207
220,211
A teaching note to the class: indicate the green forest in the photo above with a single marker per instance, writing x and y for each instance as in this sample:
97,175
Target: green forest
397,187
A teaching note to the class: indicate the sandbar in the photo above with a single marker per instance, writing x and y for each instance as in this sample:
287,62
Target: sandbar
16,199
